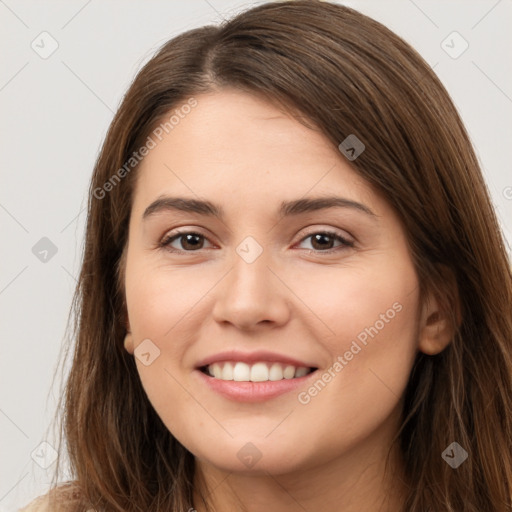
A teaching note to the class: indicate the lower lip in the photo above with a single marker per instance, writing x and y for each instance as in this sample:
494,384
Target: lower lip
252,391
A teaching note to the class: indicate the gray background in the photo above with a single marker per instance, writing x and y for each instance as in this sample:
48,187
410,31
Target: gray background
55,112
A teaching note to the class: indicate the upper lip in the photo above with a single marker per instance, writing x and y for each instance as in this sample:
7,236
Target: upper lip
253,357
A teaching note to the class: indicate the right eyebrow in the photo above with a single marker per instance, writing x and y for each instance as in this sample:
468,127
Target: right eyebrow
167,203
286,209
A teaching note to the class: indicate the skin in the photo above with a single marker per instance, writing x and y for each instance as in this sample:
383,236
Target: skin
247,155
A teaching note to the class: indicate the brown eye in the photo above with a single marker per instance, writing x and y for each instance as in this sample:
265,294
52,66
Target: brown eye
187,241
323,241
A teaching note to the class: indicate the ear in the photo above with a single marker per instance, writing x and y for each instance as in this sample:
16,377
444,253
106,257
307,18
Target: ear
120,269
435,334
437,327
128,339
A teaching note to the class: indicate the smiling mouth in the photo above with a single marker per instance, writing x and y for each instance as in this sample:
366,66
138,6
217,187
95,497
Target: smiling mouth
257,372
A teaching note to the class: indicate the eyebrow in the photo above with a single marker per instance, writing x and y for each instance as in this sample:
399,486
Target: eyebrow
286,209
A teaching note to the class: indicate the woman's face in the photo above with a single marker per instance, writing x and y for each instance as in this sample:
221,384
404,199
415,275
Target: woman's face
260,288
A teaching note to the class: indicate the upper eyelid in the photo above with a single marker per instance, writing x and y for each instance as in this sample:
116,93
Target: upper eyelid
183,231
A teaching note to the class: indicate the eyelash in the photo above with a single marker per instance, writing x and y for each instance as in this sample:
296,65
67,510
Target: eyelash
166,241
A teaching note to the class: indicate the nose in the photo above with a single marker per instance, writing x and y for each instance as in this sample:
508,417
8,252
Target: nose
252,295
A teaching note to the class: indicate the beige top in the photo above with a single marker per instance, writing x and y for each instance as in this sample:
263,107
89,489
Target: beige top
40,504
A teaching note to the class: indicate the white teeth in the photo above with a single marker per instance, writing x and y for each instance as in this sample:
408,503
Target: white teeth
241,372
216,370
258,372
276,372
227,371
289,372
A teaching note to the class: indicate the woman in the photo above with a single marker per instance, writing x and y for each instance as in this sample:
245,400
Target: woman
294,293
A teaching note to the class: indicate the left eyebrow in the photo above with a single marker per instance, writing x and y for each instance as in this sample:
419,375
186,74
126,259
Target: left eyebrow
310,204
286,209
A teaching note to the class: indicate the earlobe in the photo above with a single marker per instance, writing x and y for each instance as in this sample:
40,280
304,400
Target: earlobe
128,339
128,343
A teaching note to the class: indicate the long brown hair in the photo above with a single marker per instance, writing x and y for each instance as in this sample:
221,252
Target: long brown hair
343,73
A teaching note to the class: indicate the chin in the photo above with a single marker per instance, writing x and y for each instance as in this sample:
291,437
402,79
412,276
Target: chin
254,457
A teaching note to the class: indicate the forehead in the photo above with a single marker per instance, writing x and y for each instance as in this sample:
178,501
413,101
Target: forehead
244,150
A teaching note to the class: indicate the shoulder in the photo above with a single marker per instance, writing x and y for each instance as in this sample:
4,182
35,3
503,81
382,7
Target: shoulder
40,504
60,499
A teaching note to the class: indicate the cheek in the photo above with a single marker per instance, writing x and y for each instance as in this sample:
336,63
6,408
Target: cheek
160,303
161,300
372,304
373,316
166,306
